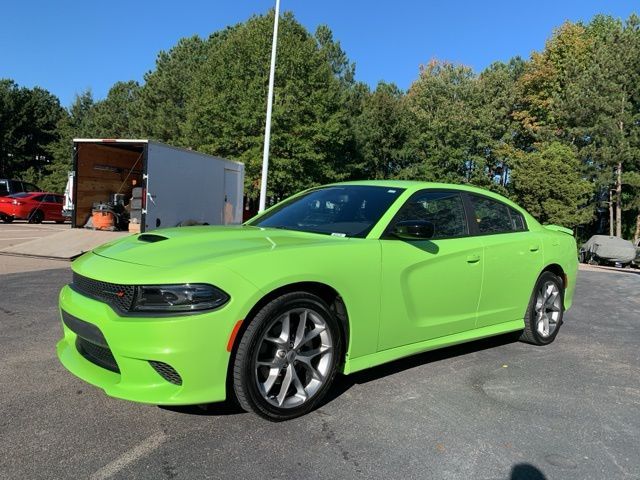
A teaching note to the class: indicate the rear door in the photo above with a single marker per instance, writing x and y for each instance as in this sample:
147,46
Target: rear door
48,206
430,288
512,260
232,213
55,207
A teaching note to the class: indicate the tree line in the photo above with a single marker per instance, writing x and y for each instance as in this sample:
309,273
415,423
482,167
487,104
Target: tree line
558,133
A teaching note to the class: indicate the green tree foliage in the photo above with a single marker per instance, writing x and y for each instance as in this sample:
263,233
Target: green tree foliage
162,101
77,123
555,132
548,183
443,124
116,115
381,131
226,107
583,90
28,120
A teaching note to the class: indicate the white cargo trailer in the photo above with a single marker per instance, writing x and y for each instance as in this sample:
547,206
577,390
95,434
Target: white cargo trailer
168,186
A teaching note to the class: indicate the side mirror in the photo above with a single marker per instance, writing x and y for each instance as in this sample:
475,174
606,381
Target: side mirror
413,230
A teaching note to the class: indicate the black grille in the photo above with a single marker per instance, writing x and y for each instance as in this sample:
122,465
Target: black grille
97,354
90,342
118,296
167,372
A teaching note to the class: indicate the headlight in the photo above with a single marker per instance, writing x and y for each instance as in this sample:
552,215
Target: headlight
190,297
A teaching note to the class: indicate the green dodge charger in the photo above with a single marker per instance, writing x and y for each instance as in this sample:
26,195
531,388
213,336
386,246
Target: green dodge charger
338,278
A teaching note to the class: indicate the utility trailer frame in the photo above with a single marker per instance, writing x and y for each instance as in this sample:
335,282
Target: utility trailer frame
178,185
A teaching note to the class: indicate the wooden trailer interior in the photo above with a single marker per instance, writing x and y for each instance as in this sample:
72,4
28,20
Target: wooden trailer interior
102,170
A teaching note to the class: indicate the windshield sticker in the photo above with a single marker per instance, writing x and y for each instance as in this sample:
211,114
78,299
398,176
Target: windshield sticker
338,234
391,191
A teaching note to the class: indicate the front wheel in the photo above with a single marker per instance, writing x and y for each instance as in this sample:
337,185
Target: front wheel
6,218
287,357
545,310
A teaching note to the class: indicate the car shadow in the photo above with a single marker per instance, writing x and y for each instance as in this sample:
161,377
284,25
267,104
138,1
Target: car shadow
219,409
343,383
526,471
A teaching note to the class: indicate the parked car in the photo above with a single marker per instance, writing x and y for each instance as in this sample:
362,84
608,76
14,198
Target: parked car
338,278
9,187
636,261
605,250
35,207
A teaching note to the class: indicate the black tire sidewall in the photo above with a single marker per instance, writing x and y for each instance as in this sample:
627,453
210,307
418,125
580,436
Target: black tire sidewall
36,216
531,314
251,339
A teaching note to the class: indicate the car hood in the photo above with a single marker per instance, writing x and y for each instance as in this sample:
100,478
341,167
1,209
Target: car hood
179,246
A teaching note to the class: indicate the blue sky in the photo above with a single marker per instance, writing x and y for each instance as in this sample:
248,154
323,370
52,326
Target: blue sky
67,46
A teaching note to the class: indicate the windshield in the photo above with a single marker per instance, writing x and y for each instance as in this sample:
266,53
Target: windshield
21,195
344,210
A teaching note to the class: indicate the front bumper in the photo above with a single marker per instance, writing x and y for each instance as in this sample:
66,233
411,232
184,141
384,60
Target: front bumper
194,345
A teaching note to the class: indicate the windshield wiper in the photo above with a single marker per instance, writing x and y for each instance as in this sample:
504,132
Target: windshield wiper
321,232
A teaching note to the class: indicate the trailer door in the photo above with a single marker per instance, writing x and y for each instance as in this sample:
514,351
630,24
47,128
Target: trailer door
232,197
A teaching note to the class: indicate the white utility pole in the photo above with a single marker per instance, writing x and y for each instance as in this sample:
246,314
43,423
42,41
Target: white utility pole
267,129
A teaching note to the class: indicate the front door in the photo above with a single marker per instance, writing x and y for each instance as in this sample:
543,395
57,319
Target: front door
430,288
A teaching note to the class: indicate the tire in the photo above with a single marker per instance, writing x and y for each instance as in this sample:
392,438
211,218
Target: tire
302,364
36,216
7,219
59,222
547,300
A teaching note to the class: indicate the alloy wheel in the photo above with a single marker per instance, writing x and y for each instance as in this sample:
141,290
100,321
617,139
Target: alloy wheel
548,308
294,358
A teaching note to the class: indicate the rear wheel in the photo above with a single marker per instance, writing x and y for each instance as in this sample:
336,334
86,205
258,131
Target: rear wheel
59,221
36,216
6,218
545,311
287,357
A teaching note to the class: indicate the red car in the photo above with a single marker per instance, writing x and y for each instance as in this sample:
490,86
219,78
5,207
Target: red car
33,206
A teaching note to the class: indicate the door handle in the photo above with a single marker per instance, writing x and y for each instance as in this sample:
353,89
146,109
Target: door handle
534,248
473,258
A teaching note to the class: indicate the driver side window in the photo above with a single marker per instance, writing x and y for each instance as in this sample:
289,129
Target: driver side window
444,210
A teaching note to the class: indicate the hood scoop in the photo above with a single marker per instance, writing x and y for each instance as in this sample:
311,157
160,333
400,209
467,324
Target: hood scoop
151,238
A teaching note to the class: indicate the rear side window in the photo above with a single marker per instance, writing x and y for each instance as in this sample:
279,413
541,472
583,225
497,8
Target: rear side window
39,198
444,209
517,220
493,216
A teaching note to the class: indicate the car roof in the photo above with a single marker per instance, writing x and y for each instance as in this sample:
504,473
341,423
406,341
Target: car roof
414,185
418,185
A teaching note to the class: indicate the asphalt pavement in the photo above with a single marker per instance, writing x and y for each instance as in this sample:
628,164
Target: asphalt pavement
494,409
